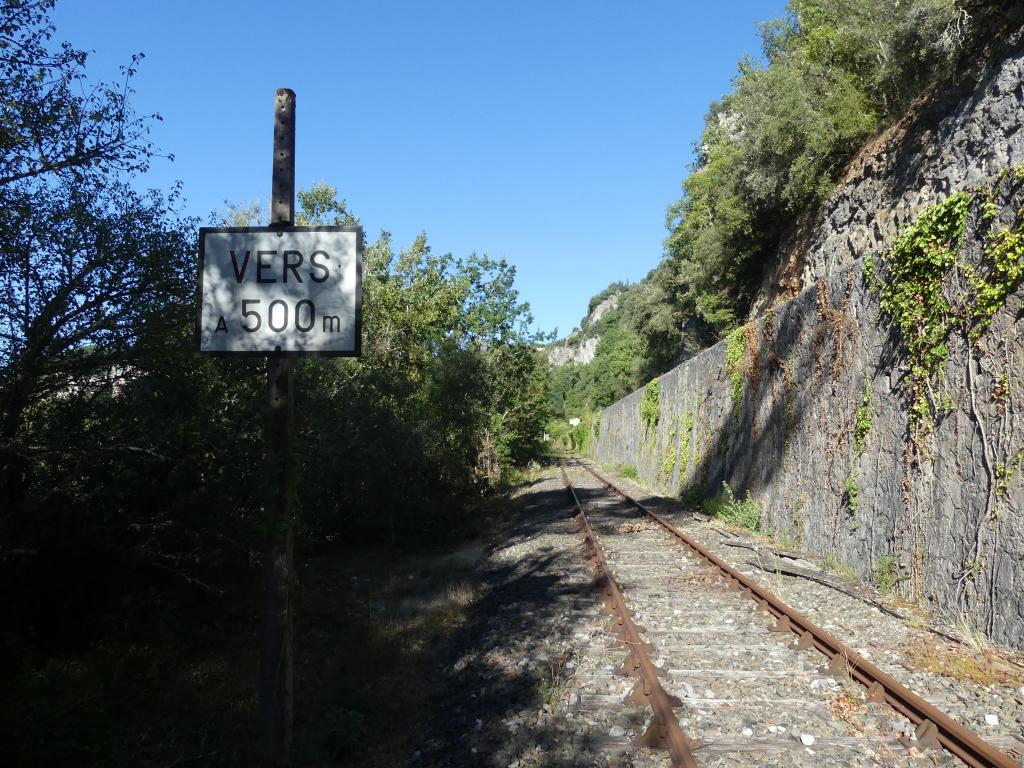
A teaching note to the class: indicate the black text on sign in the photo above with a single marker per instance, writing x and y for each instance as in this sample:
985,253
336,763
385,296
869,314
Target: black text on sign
296,290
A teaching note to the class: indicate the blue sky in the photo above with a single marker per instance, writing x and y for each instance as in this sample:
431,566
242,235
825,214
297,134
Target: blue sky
550,134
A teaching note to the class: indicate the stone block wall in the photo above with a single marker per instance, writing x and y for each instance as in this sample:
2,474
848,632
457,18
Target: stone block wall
777,411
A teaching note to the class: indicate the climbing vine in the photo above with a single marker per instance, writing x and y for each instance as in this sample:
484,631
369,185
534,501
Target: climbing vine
650,406
684,440
735,352
668,462
934,291
912,295
1005,472
931,293
863,423
851,495
1005,255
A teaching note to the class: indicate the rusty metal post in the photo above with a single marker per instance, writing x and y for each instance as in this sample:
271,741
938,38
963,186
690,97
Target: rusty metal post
275,708
282,200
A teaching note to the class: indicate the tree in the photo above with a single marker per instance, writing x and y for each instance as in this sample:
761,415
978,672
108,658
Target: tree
82,271
129,464
85,261
447,392
319,206
834,72
52,120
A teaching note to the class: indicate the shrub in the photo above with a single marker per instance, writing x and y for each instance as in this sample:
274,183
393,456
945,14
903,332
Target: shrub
886,575
745,513
650,406
692,496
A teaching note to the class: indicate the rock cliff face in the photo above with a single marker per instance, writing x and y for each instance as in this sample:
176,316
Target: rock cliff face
573,351
951,140
577,348
807,408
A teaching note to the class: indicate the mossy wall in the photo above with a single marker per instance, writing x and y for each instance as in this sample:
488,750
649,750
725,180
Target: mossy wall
809,407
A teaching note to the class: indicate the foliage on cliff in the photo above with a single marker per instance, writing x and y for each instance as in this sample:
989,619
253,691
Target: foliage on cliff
632,348
832,75
932,292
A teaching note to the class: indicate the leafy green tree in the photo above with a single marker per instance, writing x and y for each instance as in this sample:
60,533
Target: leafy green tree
319,206
834,73
124,453
448,390
251,214
52,121
616,366
86,261
130,465
83,271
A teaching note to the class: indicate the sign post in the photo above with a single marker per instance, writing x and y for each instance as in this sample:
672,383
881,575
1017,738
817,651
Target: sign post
279,291
276,668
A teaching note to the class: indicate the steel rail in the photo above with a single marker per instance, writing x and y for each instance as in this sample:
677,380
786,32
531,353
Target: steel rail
664,731
934,728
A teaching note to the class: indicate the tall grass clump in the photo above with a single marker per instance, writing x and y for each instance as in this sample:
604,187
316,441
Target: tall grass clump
727,507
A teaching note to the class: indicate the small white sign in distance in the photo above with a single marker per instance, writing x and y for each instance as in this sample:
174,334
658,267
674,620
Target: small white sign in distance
267,289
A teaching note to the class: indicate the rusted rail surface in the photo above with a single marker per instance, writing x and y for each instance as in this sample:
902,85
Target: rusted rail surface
934,728
664,732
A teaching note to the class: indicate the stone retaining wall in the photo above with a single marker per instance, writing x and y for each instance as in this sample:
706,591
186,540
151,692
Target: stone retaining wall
781,422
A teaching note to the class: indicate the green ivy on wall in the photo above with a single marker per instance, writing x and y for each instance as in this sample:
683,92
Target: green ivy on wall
931,293
650,406
735,353
912,295
863,423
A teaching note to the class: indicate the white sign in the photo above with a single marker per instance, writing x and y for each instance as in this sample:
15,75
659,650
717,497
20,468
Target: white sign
269,289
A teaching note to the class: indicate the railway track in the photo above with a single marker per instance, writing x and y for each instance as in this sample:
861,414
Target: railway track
713,669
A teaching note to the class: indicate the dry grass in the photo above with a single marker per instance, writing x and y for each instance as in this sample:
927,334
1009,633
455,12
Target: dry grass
981,666
555,684
972,637
846,705
636,527
456,599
